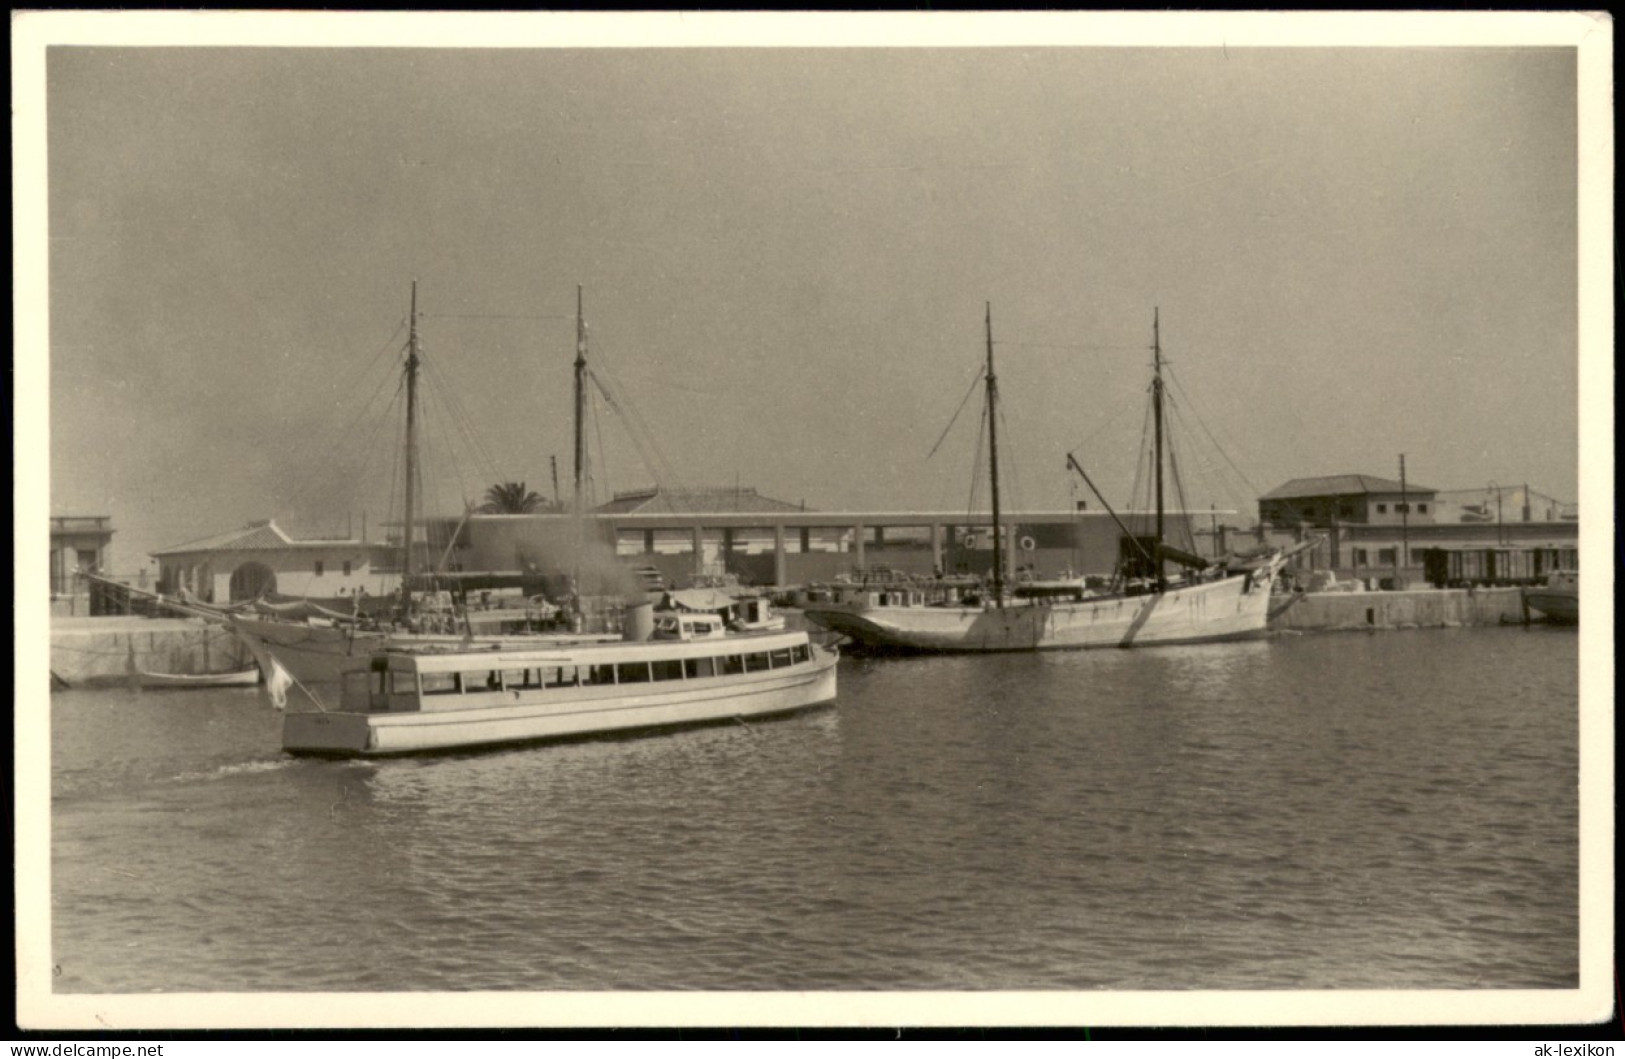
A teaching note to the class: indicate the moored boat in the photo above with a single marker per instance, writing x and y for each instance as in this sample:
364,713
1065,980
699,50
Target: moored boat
738,613
240,678
415,701
1211,600
1558,599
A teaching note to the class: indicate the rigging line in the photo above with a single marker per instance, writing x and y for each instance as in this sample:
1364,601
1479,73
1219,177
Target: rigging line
975,382
1068,345
976,464
304,456
446,396
352,459
638,426
647,441
641,434
1140,494
490,316
1012,466
1110,421
1202,423
441,457
451,396
1179,494
603,454
650,464
1226,483
305,451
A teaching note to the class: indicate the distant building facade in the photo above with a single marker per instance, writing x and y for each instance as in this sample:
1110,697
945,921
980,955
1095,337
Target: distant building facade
79,546
1374,528
1364,499
687,535
262,559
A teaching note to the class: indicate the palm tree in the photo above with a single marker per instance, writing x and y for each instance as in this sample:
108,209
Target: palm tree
511,498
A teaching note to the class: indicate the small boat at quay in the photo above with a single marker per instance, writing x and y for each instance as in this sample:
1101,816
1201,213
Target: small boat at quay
1211,599
1558,599
693,672
241,678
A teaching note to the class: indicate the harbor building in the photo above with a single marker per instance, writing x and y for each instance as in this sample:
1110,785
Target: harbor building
716,533
1374,528
79,546
1371,529
261,558
674,537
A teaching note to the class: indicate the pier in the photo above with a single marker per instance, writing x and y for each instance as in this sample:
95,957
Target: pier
112,650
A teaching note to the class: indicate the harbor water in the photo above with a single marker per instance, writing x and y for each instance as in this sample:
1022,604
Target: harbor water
1387,810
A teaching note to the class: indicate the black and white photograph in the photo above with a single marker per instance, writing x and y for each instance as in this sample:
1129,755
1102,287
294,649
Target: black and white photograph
705,519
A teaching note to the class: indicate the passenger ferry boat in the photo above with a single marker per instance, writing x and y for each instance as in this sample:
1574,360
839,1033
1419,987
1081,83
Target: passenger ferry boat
691,672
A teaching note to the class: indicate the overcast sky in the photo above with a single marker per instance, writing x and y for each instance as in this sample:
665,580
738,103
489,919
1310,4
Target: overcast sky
786,254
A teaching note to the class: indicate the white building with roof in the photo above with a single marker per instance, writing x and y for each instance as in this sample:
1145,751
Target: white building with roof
262,559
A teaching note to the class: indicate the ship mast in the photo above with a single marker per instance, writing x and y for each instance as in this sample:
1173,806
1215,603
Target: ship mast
581,452
993,461
1156,411
411,448
581,399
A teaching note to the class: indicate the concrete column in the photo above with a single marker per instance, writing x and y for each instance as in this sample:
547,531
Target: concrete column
857,544
936,546
648,542
699,550
780,563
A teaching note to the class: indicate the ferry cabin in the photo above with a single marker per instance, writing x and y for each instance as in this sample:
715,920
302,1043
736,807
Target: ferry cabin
400,682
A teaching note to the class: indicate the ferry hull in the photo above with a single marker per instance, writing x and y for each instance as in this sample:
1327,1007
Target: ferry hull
556,716
1231,609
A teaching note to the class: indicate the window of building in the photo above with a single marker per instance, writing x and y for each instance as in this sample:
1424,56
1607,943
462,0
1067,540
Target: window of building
1345,510
1387,555
1360,557
1403,509
346,568
1382,509
1422,508
318,568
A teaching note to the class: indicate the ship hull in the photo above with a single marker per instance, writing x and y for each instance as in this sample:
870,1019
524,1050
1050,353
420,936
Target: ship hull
1235,608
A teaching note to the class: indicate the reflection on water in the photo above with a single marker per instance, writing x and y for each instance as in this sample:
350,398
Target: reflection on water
1352,811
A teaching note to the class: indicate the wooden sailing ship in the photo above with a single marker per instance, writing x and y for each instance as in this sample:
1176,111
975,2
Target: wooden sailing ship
1207,600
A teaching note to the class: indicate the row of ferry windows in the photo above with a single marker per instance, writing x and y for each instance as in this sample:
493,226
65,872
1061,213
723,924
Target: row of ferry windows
619,673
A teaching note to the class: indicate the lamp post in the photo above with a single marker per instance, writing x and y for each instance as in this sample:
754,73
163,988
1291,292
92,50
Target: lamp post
1404,517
